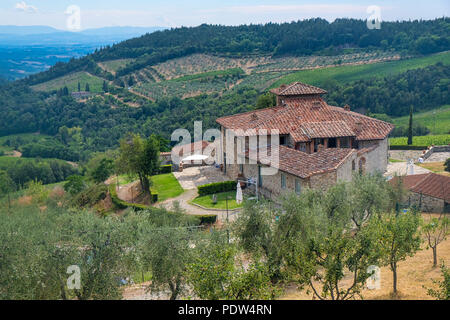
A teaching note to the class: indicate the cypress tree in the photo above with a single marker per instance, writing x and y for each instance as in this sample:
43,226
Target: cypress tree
410,129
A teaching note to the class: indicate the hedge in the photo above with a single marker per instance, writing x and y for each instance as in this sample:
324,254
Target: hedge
217,187
408,147
165,169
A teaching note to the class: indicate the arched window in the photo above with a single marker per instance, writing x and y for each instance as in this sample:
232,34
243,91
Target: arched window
362,165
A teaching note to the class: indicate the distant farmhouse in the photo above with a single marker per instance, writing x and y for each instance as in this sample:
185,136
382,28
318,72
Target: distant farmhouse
81,95
430,192
319,144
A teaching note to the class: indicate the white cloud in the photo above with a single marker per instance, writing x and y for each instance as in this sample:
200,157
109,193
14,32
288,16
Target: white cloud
22,6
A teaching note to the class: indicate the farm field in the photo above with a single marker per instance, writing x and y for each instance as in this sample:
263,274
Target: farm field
425,141
71,82
437,120
357,72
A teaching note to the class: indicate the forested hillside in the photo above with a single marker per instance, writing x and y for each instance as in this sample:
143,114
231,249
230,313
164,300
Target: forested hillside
313,36
169,79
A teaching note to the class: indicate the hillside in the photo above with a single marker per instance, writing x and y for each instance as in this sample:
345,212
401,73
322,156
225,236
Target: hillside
168,79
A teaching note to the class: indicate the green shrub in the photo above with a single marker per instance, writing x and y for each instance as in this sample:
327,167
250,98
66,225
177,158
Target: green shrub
409,147
154,195
217,187
90,196
447,165
165,169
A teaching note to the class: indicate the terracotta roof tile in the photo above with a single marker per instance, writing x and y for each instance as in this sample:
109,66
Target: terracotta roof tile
431,184
297,88
289,119
304,165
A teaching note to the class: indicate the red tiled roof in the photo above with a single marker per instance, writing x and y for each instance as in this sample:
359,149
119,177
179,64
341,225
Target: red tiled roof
296,89
327,129
430,184
303,111
302,164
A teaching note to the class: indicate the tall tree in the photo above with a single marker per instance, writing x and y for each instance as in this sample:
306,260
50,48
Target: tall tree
140,157
398,238
410,128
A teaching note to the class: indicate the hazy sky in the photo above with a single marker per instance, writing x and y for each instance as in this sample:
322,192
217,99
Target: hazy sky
172,13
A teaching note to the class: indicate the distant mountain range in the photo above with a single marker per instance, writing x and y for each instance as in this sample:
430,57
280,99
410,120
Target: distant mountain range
38,35
25,50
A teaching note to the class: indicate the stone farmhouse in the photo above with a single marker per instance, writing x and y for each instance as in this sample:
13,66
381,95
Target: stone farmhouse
319,144
430,192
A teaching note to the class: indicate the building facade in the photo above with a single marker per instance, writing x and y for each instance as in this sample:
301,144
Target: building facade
319,144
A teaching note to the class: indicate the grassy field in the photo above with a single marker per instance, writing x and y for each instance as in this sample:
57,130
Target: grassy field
167,186
114,65
352,73
437,120
206,201
25,138
436,167
71,81
440,140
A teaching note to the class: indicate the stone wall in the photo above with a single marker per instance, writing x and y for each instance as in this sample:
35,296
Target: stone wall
377,159
271,187
427,203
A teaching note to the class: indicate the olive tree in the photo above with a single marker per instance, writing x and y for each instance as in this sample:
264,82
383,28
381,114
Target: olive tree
218,272
436,230
398,238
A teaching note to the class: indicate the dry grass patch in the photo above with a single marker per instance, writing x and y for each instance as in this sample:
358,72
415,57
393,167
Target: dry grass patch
413,274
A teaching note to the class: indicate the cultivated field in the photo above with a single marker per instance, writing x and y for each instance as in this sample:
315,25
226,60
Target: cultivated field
71,82
438,140
436,120
362,71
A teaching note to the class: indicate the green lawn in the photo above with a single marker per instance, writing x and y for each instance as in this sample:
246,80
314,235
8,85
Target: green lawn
167,186
437,120
358,72
438,140
206,201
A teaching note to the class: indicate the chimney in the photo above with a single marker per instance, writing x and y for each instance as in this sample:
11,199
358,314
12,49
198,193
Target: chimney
254,117
347,107
358,126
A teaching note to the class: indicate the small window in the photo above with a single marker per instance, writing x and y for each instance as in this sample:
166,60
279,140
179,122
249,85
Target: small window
283,140
353,165
241,168
298,186
283,181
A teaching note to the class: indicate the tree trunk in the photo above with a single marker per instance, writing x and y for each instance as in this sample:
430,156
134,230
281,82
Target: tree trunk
394,273
434,256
